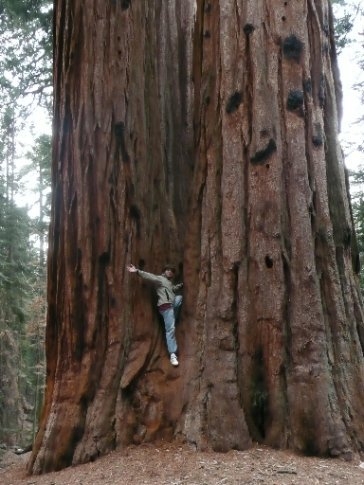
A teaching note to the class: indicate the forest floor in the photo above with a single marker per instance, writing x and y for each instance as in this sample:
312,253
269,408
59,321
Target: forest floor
171,464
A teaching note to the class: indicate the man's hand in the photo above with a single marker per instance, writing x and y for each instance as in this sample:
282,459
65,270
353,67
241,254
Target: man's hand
131,268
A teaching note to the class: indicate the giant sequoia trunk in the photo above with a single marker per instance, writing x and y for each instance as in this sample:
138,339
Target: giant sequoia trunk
278,312
118,197
269,340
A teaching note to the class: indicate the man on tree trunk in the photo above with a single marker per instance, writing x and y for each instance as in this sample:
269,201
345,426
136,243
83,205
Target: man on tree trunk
169,304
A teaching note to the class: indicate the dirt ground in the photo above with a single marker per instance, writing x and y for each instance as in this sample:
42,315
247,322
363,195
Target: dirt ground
168,464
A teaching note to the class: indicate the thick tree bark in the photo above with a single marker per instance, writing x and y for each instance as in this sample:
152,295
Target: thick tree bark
278,306
269,340
117,146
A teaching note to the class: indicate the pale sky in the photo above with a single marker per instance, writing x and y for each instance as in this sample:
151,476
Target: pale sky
353,107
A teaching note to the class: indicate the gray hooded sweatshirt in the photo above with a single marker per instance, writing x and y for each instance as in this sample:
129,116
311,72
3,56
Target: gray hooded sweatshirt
164,287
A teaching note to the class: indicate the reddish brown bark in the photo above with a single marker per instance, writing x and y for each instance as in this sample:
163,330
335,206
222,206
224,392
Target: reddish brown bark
269,340
278,306
117,144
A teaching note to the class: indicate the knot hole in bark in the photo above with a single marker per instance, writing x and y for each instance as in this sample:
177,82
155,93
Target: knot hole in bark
268,261
104,258
208,7
248,29
135,214
317,141
125,4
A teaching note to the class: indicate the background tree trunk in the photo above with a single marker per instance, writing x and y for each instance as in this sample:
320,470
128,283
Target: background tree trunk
269,339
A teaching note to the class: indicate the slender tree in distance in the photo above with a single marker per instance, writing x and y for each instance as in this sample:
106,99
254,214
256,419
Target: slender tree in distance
271,345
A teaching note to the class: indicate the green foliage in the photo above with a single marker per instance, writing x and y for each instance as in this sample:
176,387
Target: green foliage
343,26
357,200
24,10
22,310
15,257
39,168
25,82
344,15
349,16
25,52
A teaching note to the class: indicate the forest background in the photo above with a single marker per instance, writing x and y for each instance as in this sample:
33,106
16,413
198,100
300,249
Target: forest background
25,180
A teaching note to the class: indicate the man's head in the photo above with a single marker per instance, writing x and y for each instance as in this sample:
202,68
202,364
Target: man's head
169,271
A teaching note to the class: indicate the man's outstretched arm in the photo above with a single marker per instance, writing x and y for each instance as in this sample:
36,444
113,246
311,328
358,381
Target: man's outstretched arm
146,276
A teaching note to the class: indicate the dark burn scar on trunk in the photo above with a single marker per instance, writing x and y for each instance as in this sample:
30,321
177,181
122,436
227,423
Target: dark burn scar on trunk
135,214
234,102
295,100
318,136
119,129
317,140
292,48
248,29
262,155
104,258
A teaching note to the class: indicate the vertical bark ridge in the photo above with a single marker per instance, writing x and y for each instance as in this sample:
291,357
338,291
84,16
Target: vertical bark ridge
306,370
346,340
290,292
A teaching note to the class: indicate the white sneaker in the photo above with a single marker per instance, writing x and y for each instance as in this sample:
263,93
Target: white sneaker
173,359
